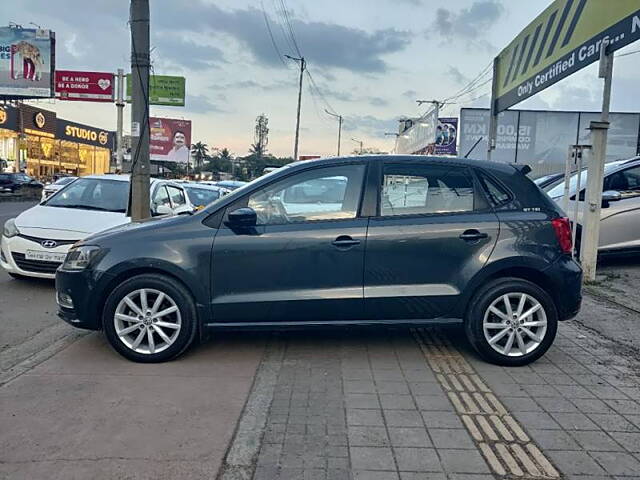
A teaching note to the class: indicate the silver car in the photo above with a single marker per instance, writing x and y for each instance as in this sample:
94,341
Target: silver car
620,214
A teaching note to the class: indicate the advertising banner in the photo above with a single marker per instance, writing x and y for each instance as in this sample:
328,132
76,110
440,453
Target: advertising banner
170,140
27,62
163,90
565,38
446,136
421,137
87,86
79,133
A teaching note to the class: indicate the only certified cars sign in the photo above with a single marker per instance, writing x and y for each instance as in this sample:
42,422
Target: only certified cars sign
565,38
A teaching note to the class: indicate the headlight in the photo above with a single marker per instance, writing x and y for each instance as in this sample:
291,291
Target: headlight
79,258
10,229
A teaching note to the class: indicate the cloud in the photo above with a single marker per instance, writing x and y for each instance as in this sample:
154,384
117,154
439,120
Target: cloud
370,125
323,44
186,53
411,94
457,76
201,104
415,3
468,23
377,101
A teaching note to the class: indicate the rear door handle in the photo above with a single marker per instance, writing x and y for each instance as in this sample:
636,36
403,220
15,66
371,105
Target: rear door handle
470,235
345,241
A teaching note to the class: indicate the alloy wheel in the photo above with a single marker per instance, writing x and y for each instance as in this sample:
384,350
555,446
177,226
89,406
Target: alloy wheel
515,324
147,321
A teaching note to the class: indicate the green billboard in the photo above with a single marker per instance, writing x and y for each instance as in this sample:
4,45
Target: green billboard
565,38
163,90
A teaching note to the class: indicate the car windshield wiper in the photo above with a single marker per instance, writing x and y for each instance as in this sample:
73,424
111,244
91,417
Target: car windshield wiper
90,207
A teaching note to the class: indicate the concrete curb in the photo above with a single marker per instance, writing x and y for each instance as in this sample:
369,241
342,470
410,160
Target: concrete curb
239,463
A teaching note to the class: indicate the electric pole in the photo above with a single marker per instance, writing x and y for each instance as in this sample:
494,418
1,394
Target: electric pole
120,108
140,165
302,67
339,117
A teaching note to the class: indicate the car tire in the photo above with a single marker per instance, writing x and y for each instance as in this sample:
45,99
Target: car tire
154,334
524,338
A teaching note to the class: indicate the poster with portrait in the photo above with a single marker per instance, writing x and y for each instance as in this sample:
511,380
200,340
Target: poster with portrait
170,140
446,136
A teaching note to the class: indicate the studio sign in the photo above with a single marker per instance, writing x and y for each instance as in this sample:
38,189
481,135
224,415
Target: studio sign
86,134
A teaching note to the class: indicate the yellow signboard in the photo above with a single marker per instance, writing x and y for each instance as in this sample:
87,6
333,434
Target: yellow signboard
564,38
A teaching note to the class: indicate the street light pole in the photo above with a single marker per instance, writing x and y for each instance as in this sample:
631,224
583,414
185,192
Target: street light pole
120,108
339,117
302,67
358,141
140,181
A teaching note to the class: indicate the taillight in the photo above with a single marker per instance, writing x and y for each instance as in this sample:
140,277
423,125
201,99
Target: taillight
562,227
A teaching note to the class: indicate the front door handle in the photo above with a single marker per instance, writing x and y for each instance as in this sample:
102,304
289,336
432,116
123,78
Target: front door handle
345,241
472,235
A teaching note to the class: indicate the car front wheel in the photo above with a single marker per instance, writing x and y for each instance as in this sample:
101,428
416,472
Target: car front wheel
511,322
150,318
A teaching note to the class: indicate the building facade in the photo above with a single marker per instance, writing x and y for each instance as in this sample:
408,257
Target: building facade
39,143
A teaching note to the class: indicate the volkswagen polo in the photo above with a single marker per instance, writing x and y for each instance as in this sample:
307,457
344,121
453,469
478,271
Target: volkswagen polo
380,240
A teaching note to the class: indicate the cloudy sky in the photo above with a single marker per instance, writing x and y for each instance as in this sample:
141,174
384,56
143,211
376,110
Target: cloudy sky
369,60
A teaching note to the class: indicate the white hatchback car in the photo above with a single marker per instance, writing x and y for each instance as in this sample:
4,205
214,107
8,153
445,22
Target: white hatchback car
35,243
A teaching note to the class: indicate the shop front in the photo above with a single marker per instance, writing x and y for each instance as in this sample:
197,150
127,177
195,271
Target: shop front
44,145
8,138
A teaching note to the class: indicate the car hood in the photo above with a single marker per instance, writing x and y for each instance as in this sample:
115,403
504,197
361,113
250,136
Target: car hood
74,220
152,224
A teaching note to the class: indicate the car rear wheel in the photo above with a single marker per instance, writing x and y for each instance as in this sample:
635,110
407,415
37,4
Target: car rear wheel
511,322
150,318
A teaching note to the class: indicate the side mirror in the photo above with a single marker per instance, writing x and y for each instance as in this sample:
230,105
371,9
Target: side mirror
242,218
610,196
162,210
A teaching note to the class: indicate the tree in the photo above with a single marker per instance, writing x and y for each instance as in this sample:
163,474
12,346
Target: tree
200,151
261,136
368,151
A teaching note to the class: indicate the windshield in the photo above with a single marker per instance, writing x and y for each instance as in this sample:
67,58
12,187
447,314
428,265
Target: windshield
558,190
202,196
93,194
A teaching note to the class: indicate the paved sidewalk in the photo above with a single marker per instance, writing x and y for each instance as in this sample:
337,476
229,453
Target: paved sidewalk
395,404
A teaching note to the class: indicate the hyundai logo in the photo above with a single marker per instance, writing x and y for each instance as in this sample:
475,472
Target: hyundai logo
49,243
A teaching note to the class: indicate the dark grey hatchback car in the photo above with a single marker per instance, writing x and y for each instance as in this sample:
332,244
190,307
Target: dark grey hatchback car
381,240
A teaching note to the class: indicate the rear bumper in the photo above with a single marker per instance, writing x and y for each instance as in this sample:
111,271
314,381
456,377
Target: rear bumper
566,279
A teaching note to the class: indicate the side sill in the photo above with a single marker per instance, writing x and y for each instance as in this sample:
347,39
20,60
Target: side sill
338,323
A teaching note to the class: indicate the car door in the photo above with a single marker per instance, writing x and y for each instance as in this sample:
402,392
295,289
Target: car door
304,259
620,227
179,202
434,231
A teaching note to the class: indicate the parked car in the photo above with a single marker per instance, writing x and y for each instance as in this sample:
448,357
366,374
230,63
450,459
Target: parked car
547,182
201,194
35,243
231,184
620,213
56,186
13,182
447,240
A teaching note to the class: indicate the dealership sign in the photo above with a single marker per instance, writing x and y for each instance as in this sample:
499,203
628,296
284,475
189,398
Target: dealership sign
26,62
163,90
79,133
565,38
89,86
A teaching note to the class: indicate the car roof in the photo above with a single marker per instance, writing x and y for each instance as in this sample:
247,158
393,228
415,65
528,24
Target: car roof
122,177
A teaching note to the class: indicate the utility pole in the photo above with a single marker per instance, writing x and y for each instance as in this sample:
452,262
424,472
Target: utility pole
140,182
595,173
302,67
339,117
358,141
120,108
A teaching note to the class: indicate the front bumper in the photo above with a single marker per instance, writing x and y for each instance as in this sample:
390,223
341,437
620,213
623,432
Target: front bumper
79,286
13,259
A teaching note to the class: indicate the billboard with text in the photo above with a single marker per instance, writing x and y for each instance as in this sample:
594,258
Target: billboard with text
163,90
170,139
27,62
87,86
563,39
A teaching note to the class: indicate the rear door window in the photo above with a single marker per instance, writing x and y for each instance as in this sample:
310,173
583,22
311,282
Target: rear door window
409,189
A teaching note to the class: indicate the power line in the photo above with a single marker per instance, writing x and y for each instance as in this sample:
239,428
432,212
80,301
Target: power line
288,22
282,30
273,40
324,99
472,83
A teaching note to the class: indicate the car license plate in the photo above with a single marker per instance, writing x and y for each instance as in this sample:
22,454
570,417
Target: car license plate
45,256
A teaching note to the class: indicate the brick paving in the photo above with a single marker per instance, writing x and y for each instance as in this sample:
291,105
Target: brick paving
376,404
